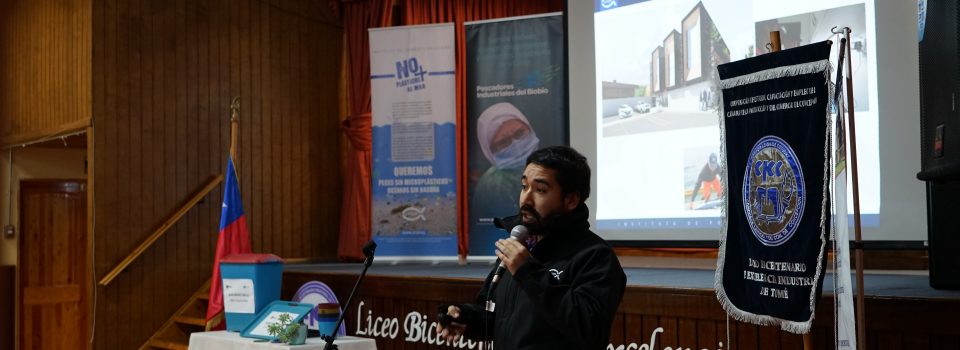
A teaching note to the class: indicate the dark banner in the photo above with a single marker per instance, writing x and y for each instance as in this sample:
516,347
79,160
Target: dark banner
515,105
776,137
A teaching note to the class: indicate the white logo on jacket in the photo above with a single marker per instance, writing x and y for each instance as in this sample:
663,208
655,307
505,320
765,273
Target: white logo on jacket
556,273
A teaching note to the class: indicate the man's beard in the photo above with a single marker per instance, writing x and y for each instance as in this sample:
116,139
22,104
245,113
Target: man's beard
538,225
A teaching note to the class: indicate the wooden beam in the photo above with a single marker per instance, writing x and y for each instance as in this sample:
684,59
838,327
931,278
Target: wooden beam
8,141
161,230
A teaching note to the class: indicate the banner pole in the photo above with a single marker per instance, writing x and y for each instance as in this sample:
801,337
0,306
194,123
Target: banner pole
858,243
775,41
775,47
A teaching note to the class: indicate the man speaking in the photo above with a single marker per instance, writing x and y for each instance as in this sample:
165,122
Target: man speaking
562,283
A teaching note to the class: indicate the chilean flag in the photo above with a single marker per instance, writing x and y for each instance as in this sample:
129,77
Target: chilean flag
234,237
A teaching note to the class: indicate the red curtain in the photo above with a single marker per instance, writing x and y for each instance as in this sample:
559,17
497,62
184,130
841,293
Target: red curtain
460,11
358,16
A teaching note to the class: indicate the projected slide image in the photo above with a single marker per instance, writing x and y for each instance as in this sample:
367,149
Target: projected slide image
807,28
666,75
701,179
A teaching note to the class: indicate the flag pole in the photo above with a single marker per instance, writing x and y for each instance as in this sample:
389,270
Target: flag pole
857,243
234,128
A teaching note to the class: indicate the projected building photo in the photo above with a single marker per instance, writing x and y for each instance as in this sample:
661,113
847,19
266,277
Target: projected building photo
681,89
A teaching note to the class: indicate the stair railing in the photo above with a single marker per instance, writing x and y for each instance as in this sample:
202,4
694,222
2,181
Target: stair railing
160,231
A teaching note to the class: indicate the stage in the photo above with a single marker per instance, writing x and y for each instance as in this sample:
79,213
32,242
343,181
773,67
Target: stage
669,303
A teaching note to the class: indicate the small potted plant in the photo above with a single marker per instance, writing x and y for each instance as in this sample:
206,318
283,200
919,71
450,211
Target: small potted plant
287,331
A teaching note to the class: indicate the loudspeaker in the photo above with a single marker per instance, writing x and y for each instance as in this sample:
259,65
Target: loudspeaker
940,92
943,235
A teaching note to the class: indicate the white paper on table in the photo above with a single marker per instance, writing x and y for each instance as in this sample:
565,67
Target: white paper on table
238,295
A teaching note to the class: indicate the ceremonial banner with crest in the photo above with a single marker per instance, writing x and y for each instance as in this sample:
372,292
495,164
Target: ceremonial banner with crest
775,128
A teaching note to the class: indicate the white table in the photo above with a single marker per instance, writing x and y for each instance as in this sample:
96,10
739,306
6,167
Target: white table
233,340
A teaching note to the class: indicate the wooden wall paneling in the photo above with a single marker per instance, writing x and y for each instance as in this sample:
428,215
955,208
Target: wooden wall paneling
45,71
276,152
790,341
289,123
731,335
707,335
96,147
139,158
164,66
210,113
299,128
173,150
285,132
618,329
247,97
916,341
279,133
161,167
267,203
671,331
126,238
256,121
768,337
208,209
648,326
747,335
192,177
299,104
222,66
634,330
686,332
939,341
147,188
112,169
308,37
164,75
887,341
294,244
823,336
186,228
218,121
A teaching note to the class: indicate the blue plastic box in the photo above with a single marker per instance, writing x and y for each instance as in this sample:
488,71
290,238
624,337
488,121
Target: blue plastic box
250,283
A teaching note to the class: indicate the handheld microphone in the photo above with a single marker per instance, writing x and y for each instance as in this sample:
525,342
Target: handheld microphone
519,233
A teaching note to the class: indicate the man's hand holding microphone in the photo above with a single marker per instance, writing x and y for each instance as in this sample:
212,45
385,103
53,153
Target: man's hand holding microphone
512,253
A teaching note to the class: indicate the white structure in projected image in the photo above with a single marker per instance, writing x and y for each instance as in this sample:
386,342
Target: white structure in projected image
681,70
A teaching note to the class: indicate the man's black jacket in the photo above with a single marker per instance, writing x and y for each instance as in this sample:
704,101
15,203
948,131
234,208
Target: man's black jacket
564,296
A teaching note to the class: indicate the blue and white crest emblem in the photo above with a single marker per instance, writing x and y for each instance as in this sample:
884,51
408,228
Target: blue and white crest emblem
773,191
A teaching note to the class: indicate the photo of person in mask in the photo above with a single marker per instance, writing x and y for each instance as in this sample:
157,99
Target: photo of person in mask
506,139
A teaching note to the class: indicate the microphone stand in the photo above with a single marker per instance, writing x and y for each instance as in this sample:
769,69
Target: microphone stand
368,250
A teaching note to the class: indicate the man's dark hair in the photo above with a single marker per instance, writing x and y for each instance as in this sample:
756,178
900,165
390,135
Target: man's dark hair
572,170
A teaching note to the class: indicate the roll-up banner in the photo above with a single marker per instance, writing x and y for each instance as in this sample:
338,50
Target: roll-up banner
516,103
414,185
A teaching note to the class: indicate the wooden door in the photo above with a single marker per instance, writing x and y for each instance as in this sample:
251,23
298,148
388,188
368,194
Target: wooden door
52,264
